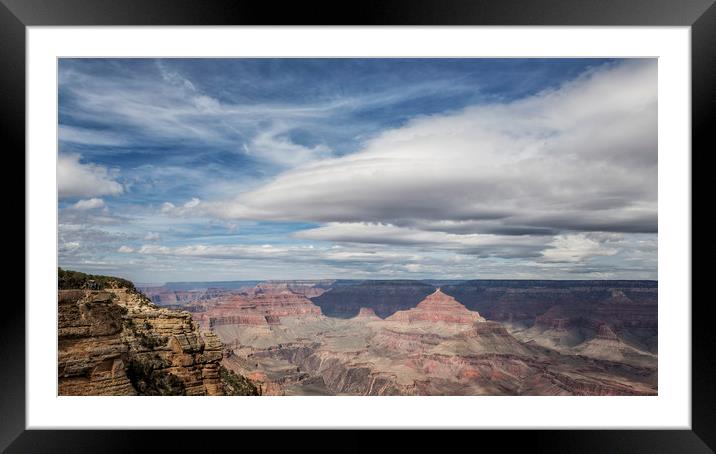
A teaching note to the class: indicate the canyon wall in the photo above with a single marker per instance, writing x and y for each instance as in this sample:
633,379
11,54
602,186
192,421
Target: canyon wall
629,308
630,301
345,298
265,304
437,347
116,342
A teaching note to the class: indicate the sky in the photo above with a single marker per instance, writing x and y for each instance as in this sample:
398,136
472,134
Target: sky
243,169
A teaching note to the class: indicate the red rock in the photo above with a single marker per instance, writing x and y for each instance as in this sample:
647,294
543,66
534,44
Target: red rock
605,332
438,307
309,289
262,305
366,313
490,329
556,318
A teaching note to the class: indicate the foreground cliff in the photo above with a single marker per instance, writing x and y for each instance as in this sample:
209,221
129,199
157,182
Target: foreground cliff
114,341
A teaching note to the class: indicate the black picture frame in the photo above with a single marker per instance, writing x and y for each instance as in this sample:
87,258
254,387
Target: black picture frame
700,15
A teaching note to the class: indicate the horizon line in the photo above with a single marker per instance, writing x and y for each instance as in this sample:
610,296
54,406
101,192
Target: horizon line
401,279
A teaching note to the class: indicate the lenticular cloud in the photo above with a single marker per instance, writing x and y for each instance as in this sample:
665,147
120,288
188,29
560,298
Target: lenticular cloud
580,157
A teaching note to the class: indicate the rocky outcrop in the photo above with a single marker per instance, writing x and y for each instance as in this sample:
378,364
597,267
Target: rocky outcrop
502,300
605,332
421,372
345,298
309,289
557,318
489,329
92,354
607,345
280,302
631,304
244,319
437,307
263,305
338,372
183,299
366,314
116,342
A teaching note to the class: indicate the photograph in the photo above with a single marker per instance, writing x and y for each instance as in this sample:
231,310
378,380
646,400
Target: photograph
353,226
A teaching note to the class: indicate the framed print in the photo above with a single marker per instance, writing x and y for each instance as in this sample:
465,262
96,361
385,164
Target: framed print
477,217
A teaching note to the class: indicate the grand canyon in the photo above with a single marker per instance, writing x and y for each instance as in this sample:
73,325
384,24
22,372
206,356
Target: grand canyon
358,226
358,337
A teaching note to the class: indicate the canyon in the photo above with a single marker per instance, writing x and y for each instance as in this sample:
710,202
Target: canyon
113,341
344,337
439,337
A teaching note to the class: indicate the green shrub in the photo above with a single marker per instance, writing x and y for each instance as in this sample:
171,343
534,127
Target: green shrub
145,336
148,379
67,279
235,384
150,341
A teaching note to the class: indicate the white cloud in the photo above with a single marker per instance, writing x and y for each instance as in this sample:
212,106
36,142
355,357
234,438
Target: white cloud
89,204
505,189
578,158
221,251
576,248
576,255
283,254
474,244
272,145
77,179
69,246
168,207
189,208
175,108
152,236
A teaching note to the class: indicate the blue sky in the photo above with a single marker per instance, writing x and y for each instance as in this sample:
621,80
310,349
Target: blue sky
216,169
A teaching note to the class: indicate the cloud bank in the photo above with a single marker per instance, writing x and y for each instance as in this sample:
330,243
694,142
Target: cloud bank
258,169
581,157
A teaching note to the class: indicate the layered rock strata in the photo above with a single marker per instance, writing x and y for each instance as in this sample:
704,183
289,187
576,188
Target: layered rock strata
366,314
438,347
263,305
437,307
116,342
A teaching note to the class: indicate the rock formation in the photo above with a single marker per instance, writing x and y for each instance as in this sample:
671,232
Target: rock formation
309,289
631,304
437,307
182,299
92,354
345,298
542,338
115,342
438,347
366,314
265,304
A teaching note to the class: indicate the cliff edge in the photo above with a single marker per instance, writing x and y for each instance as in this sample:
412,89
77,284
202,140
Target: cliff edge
113,341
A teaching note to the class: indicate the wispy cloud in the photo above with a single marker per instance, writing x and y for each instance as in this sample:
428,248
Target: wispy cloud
273,168
85,136
578,158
